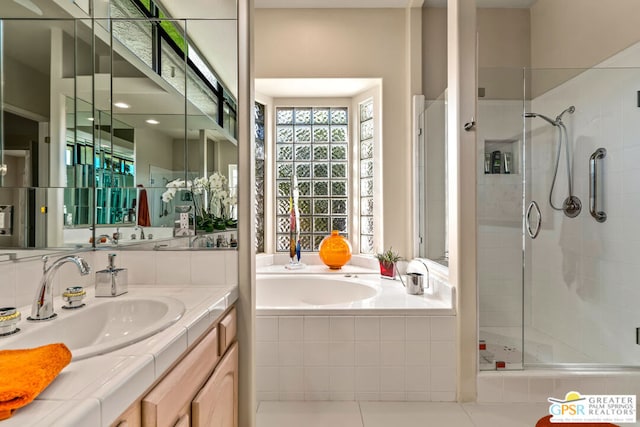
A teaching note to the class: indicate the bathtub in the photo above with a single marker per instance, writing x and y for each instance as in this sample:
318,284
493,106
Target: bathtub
351,335
335,293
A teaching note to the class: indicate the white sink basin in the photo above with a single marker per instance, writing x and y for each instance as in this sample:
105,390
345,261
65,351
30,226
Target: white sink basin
103,325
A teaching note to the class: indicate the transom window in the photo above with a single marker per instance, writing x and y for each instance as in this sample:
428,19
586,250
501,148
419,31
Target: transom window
312,144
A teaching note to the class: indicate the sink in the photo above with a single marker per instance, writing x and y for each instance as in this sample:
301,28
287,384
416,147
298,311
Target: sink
103,325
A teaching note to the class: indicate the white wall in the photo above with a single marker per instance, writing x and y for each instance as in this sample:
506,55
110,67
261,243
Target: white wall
351,43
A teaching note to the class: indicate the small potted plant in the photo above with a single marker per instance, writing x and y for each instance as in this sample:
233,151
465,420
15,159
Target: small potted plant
387,260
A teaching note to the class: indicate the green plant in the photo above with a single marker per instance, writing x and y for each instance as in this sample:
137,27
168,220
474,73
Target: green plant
388,256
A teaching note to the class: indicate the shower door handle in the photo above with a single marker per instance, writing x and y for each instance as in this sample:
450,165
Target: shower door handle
599,154
527,219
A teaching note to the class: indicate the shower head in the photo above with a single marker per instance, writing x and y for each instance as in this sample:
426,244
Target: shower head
542,116
569,110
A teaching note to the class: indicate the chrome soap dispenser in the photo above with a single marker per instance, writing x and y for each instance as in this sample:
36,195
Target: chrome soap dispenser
111,281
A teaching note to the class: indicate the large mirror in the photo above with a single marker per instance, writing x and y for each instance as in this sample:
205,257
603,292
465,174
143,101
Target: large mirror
100,115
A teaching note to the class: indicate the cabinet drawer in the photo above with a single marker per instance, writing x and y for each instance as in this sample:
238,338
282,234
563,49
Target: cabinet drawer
163,406
227,330
217,403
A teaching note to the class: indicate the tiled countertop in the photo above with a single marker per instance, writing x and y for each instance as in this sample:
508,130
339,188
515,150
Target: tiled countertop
95,391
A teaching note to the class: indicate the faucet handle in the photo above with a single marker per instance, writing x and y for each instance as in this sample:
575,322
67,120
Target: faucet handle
73,297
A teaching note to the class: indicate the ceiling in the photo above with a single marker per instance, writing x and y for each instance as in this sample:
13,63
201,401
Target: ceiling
313,88
288,4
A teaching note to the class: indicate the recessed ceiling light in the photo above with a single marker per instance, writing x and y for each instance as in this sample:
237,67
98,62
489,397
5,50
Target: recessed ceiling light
152,121
121,105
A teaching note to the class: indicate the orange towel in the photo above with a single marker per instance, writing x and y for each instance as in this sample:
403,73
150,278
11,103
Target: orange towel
25,373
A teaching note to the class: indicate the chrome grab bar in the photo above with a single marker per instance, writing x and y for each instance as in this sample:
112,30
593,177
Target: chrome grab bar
599,216
530,232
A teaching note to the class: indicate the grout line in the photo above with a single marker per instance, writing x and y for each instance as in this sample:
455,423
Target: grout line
468,415
361,414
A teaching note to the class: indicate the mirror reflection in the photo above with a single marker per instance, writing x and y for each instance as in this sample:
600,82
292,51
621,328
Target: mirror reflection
98,120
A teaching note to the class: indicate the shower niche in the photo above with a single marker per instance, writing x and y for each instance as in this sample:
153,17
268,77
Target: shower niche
501,157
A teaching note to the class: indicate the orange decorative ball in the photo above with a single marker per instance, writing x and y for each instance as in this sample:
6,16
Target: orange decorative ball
335,250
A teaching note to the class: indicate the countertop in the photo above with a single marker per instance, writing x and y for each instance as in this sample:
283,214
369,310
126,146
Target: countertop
95,391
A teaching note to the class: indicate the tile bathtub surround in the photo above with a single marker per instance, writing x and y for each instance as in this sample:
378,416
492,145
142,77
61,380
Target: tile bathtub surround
533,386
20,279
392,358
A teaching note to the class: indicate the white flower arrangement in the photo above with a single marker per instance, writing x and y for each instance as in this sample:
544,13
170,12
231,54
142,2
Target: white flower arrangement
211,198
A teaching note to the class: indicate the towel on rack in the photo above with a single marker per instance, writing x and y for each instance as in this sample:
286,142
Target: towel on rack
25,373
144,219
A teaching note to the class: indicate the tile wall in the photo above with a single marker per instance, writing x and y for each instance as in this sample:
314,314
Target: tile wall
401,358
20,279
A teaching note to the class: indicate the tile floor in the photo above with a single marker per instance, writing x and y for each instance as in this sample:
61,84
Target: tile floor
399,414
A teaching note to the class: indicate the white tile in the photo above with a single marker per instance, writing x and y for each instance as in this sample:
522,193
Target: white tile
342,328
316,379
290,353
512,415
342,395
316,353
266,328
308,414
443,353
231,265
141,266
417,328
418,396
342,379
417,353
516,389
443,396
8,285
417,379
367,328
392,328
208,268
262,396
490,388
173,268
291,379
267,353
342,353
392,353
267,379
392,379
393,396
316,396
442,379
540,389
443,328
291,396
367,353
367,396
413,414
367,379
290,328
316,328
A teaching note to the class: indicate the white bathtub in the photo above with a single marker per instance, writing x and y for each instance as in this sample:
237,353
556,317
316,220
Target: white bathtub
350,335
335,293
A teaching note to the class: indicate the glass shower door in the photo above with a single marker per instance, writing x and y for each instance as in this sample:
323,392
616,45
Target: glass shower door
581,269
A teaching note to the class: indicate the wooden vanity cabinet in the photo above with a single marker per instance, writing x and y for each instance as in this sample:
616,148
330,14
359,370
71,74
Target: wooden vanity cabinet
202,389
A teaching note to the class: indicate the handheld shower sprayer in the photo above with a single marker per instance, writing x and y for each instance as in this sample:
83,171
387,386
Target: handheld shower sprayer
571,205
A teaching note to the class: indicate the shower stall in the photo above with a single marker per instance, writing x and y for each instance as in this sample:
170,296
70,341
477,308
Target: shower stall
558,196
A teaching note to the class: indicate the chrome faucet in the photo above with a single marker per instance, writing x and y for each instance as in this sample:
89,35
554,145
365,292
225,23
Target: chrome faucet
141,231
42,308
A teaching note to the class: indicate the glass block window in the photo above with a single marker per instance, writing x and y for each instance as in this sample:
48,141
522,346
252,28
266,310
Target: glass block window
312,143
366,177
259,153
